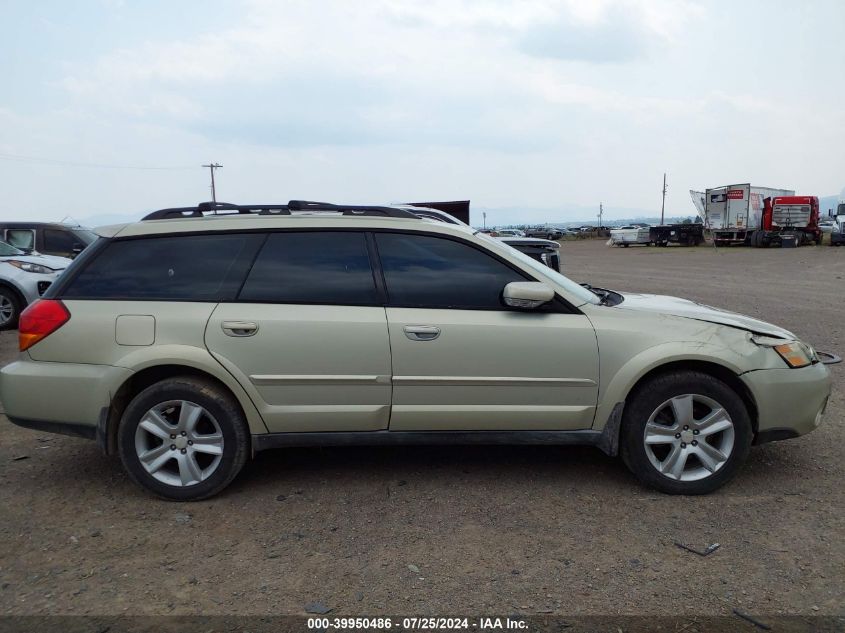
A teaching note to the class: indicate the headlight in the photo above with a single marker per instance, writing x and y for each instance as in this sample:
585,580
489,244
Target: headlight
30,267
795,353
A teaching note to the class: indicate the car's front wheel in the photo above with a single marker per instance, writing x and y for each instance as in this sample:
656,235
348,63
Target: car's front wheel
685,433
183,438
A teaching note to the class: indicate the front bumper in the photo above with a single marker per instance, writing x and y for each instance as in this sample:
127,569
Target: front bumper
63,398
790,402
33,285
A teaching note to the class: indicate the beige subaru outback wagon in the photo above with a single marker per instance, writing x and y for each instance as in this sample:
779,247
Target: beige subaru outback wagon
188,341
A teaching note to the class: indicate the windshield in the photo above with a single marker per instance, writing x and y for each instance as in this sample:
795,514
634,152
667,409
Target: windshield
7,249
544,271
85,235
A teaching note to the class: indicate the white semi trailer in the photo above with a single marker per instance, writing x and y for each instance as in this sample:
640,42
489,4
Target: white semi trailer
837,236
733,212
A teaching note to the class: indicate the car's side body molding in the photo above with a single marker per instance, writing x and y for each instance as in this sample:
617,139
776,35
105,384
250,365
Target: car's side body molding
411,438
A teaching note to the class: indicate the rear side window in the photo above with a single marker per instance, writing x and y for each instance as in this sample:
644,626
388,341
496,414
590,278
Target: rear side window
21,238
432,272
179,268
316,267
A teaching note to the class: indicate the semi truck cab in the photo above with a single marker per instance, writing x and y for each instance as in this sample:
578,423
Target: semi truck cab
789,216
837,236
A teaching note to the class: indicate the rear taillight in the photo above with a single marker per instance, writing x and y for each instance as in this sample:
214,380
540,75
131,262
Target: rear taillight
39,320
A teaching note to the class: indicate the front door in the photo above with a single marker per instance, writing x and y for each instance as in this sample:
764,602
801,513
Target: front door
464,361
307,336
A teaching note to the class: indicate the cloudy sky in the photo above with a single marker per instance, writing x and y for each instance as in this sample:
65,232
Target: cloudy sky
109,107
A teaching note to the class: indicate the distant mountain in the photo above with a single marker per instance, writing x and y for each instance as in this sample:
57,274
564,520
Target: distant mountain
104,219
562,215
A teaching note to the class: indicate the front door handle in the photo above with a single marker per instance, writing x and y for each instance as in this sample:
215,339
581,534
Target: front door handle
422,332
239,328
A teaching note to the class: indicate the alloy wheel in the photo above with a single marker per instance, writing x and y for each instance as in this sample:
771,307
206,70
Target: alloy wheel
7,310
689,437
179,443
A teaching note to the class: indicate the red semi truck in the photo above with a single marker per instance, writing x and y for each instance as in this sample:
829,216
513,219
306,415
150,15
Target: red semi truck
788,217
759,216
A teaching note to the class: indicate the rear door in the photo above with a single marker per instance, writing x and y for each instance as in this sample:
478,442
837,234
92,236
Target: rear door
716,208
738,201
308,336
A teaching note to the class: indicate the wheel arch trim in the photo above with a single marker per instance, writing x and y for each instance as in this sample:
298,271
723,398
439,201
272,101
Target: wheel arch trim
150,366
658,360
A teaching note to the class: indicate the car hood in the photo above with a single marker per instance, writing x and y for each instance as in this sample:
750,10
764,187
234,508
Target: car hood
50,261
690,309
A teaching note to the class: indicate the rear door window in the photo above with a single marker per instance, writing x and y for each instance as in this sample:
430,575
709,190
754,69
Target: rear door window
320,267
177,268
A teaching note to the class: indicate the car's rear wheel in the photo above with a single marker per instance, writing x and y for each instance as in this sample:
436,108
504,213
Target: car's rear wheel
685,433
10,309
183,438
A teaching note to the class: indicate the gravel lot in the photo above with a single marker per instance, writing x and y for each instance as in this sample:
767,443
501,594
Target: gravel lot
457,530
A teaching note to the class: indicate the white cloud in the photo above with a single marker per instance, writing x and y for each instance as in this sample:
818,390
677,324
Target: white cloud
504,102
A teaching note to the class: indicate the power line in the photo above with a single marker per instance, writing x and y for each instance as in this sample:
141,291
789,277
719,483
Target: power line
67,163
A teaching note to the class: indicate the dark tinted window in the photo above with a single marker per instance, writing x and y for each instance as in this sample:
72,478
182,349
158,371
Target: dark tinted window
188,268
319,267
84,236
433,272
58,241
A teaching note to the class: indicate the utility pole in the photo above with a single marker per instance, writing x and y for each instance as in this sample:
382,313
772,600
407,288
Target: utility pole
484,213
212,167
663,204
601,212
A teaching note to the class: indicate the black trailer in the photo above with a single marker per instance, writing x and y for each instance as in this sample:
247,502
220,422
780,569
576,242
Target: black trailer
683,234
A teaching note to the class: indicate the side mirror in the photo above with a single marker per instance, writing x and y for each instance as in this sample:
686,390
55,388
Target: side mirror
528,295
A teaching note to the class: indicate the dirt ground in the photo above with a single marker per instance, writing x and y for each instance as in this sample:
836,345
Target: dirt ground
458,530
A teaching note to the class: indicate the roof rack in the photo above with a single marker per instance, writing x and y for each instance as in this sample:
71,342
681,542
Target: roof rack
434,214
291,208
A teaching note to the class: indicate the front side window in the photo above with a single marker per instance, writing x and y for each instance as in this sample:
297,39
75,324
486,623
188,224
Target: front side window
320,267
58,241
177,268
433,272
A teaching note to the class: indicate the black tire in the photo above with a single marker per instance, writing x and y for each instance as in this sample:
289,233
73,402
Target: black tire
649,396
9,298
217,402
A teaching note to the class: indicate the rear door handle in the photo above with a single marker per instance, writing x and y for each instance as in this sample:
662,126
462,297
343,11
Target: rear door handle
422,332
239,328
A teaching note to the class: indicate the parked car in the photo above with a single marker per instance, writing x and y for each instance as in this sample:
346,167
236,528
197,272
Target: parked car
186,343
47,238
24,278
546,252
548,232
510,233
631,234
827,226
